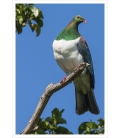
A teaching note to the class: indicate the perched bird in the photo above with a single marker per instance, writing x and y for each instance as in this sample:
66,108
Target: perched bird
70,50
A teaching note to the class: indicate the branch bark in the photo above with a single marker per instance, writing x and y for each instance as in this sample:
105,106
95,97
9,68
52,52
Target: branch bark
50,89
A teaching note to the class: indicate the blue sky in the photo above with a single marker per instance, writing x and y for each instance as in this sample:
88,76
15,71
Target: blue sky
36,66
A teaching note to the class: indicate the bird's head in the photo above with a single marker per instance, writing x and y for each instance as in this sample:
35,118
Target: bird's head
78,19
70,32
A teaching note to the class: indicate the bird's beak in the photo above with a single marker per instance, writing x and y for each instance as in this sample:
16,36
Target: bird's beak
84,21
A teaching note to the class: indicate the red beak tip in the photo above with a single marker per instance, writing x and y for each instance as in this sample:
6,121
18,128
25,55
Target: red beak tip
84,21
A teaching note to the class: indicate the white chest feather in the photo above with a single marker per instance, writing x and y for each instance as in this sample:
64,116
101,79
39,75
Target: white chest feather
67,55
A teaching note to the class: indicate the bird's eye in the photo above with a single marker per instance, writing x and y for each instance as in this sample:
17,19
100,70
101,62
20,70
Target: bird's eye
78,17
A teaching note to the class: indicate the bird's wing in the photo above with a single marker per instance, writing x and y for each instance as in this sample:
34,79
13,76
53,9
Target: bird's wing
84,51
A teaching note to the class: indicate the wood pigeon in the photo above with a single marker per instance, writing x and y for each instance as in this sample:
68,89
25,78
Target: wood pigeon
70,50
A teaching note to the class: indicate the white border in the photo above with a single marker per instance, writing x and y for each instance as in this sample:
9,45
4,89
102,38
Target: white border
59,1
105,2
14,71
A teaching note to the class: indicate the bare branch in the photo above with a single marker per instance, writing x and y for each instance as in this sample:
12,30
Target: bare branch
35,129
50,89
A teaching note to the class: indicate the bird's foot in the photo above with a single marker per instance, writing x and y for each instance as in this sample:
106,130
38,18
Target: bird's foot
63,80
76,68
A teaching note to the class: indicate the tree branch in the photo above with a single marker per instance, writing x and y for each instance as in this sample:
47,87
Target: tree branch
50,89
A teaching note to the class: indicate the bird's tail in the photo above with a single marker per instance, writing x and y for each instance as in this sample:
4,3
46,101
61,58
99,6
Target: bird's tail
86,102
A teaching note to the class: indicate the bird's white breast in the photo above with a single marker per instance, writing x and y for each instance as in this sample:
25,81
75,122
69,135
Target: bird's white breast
66,54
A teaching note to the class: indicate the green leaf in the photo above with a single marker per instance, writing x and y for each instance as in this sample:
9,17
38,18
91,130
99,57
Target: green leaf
17,11
101,121
37,28
30,7
23,24
20,19
56,113
87,129
52,127
32,26
19,6
35,11
46,123
62,111
92,132
19,29
62,130
92,125
54,121
36,132
39,121
29,12
40,14
31,4
102,131
49,119
61,121
38,21
40,131
43,126
82,127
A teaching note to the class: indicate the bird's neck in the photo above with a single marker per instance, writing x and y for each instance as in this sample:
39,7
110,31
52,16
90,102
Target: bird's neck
69,33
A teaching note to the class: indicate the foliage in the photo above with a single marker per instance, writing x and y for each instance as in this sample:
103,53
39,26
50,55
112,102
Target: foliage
28,14
51,125
92,127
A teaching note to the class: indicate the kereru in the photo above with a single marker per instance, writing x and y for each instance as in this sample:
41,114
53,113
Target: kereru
70,50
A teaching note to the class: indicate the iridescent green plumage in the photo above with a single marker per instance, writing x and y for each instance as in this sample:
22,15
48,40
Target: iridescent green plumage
71,31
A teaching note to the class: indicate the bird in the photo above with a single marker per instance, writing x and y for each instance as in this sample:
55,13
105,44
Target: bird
70,49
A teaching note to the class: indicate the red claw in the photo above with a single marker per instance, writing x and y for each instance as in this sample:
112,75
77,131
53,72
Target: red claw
75,68
63,80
